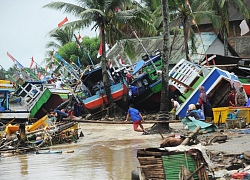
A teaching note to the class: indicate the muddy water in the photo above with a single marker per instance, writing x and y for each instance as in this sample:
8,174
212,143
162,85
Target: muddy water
105,153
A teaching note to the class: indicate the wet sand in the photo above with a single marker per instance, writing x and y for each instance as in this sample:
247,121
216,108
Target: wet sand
107,151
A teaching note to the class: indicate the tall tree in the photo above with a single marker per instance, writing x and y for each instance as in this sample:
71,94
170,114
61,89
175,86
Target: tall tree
107,16
62,37
165,60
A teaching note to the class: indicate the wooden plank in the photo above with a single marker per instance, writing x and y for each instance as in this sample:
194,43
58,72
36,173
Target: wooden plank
118,122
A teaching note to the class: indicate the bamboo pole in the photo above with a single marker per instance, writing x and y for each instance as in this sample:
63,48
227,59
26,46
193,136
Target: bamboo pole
186,141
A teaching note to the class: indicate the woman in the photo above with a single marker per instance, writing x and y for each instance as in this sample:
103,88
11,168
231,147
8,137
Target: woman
240,97
202,99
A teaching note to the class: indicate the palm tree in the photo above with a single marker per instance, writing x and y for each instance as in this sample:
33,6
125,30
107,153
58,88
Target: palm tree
188,16
221,8
165,57
107,16
62,36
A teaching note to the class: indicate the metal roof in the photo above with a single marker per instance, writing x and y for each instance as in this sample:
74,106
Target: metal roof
203,42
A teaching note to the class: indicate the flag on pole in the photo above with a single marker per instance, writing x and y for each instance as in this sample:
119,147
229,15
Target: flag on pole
61,59
32,62
244,27
39,75
79,38
62,22
110,65
100,49
20,66
121,61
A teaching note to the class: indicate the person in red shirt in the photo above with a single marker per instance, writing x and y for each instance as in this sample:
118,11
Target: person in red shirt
129,78
231,98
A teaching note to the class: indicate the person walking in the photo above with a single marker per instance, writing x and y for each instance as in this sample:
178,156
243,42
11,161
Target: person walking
136,118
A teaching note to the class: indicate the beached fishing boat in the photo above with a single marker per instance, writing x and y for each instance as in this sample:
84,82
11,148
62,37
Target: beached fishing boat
147,79
95,96
147,82
11,109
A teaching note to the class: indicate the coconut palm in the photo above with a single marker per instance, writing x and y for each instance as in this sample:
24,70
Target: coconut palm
107,16
62,36
165,57
221,8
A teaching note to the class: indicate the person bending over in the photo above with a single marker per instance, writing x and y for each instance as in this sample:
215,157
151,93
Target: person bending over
136,118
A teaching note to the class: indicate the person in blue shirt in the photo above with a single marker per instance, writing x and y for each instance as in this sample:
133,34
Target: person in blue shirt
136,118
134,90
58,114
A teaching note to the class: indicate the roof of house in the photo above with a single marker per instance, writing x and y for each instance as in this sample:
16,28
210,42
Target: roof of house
150,44
233,12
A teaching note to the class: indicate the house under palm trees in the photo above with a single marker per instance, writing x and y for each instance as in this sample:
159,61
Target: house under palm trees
241,44
207,44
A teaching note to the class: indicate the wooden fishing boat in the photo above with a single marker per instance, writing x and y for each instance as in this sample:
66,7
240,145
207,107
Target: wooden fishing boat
216,82
148,82
14,110
246,84
95,95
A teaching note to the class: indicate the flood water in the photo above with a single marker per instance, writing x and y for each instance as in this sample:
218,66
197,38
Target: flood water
92,159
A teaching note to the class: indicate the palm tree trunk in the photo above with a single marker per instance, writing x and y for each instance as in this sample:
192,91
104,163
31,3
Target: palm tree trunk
186,32
105,75
164,105
225,41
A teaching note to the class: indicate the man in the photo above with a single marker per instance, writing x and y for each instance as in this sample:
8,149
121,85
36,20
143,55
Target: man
176,106
58,84
136,118
58,114
134,91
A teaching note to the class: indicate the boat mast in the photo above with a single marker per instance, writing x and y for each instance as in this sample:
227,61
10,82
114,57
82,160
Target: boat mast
145,51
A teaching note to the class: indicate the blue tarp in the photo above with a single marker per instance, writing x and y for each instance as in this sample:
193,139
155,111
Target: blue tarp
192,123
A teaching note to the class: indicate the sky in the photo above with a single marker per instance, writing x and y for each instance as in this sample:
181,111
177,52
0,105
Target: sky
25,25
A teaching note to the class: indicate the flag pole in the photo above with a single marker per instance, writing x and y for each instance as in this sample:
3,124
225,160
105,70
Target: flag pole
46,73
145,51
82,49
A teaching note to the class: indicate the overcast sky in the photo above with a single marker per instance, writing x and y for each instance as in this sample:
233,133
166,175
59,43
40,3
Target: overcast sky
24,29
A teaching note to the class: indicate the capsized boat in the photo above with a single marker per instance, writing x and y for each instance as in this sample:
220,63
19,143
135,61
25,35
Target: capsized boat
188,77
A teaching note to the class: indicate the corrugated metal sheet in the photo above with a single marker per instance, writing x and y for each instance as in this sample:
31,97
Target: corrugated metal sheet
151,44
203,42
172,165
